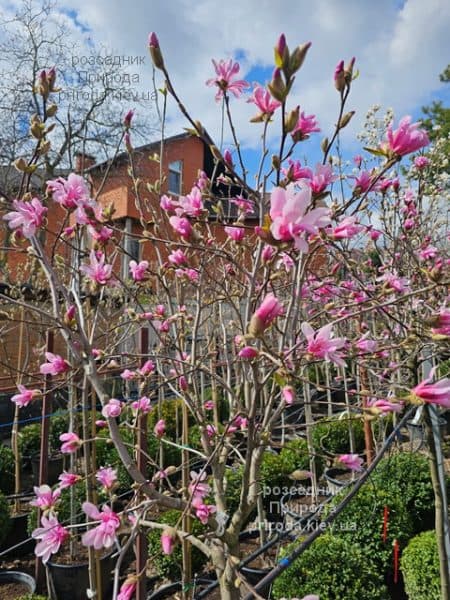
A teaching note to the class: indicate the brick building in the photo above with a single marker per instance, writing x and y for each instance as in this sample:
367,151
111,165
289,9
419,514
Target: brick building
182,158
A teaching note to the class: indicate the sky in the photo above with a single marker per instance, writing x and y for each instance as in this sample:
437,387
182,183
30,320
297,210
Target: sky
400,49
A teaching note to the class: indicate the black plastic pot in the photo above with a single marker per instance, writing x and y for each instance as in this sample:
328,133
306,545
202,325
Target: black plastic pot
417,431
72,581
55,468
19,578
336,485
167,591
18,534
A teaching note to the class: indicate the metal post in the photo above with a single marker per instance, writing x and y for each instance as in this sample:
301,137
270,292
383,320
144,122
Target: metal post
43,460
142,447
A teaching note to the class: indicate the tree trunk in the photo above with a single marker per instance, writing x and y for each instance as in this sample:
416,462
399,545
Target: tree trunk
440,500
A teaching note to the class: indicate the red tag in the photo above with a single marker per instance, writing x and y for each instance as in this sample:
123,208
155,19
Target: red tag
396,553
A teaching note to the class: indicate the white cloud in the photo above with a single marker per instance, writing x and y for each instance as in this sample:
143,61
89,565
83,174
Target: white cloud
400,51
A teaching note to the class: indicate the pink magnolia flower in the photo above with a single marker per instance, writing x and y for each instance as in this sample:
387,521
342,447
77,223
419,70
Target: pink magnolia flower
138,270
107,477
268,253
45,497
211,431
406,139
306,124
104,535
288,394
168,540
295,171
197,487
189,274
351,461
396,283
374,234
55,364
265,103
182,226
362,182
71,442
248,352
265,314
203,511
225,74
320,179
441,323
51,535
128,375
366,345
191,205
208,405
433,393
160,428
385,406
237,234
290,219
113,409
68,480
167,204
27,216
321,344
178,257
427,252
147,368
88,212
127,588
97,270
421,162
25,396
347,228
68,192
143,405
244,205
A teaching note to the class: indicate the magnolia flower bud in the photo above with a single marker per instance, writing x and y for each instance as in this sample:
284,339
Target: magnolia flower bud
345,119
277,86
281,52
291,119
51,110
155,51
298,57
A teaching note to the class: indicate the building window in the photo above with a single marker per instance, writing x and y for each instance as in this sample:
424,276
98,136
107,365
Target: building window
132,249
175,172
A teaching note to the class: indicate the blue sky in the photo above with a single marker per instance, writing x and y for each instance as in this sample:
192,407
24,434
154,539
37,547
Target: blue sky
400,48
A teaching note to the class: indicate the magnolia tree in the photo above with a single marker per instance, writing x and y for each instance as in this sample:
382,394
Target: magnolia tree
341,265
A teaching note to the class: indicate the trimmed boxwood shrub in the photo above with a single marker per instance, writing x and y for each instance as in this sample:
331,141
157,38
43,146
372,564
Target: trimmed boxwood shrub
361,522
7,477
334,569
332,435
420,567
172,564
407,475
5,521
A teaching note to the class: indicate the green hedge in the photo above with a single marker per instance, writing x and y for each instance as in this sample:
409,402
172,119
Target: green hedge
407,475
334,569
5,520
170,565
332,435
361,523
7,477
420,567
